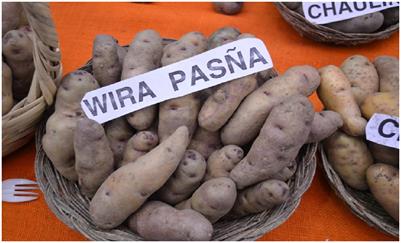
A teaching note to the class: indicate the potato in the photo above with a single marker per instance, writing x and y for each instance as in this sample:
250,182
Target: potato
127,188
362,76
213,199
381,102
105,60
185,180
335,93
121,52
324,124
7,92
383,181
286,173
183,110
159,221
143,55
260,197
367,23
384,154
11,16
58,141
388,69
222,36
93,156
118,132
205,142
222,161
282,136
17,52
349,157
248,119
139,145
391,16
229,8
292,5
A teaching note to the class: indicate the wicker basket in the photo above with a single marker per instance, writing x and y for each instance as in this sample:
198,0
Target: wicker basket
322,33
361,203
20,123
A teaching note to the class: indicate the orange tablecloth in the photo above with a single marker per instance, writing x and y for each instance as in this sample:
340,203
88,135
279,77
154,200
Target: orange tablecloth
320,216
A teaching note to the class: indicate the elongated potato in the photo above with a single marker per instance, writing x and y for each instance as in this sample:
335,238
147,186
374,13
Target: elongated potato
185,179
286,173
349,157
205,142
324,124
282,136
222,161
367,23
213,199
93,156
335,93
118,132
384,182
7,92
248,119
128,187
381,102
362,76
159,221
388,69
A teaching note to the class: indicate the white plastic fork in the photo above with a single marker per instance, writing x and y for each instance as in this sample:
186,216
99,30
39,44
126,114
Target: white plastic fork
11,190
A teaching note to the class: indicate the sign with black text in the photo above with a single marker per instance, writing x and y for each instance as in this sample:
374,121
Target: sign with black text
383,129
328,12
222,64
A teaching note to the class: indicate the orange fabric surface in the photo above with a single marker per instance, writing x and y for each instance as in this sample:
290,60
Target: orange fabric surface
320,216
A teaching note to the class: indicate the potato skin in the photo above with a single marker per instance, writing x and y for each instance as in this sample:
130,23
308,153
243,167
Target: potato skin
205,142
381,102
335,93
288,125
367,23
6,92
128,187
286,173
383,182
159,221
324,124
118,132
58,140
349,157
222,161
185,180
391,16
292,5
384,154
213,199
248,119
222,36
229,8
362,76
11,16
388,69
93,156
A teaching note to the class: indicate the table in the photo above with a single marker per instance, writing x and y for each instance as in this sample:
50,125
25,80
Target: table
320,216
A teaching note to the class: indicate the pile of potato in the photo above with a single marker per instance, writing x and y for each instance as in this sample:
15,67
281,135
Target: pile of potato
356,90
171,170
368,23
18,66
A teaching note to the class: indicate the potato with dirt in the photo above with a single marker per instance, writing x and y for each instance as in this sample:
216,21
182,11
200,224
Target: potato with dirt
7,91
248,119
213,199
285,131
17,53
127,188
58,141
381,102
118,132
144,55
336,94
222,161
384,154
185,180
324,124
362,76
205,142
93,156
388,70
228,8
156,220
349,157
182,111
383,181
367,23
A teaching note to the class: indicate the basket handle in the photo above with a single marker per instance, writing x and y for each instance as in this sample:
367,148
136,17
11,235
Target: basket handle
46,52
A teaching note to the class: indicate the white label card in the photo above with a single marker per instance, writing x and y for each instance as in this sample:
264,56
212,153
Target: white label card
222,64
383,129
328,12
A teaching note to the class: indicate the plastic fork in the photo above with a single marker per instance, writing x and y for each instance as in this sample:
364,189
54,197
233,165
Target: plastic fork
13,190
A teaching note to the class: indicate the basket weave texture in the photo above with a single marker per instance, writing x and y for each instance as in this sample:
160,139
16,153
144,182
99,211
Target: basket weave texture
325,34
361,203
20,122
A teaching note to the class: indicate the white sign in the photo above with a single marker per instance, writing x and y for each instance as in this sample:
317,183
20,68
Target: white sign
227,62
328,12
383,129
